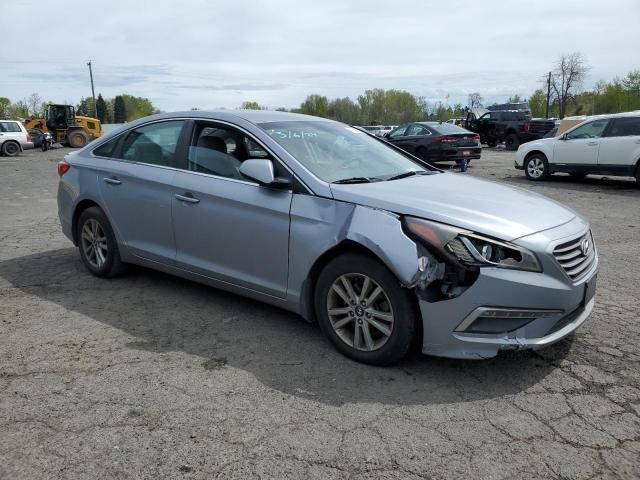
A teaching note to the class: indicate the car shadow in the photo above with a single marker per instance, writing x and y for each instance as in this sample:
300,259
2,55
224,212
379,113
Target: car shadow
612,185
282,351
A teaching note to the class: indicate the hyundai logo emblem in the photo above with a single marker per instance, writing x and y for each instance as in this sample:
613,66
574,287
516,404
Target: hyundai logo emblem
585,247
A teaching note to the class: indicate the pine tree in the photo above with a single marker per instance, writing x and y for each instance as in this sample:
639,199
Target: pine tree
119,115
101,108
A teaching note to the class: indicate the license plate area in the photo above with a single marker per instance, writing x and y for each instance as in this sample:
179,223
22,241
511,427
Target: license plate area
590,289
466,152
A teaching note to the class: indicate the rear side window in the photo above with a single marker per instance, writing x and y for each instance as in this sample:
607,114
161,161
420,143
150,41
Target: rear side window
154,144
625,127
10,127
108,149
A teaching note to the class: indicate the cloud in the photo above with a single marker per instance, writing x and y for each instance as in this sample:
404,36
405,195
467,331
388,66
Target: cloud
199,53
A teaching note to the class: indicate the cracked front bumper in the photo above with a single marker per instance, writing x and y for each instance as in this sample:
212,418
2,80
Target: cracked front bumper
447,324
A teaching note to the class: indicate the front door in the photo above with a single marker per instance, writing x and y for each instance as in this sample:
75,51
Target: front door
580,146
135,176
228,227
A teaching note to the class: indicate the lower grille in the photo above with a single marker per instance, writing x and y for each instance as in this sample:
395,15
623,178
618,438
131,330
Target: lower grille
576,256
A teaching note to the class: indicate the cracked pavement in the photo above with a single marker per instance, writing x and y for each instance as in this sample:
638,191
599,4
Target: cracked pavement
151,376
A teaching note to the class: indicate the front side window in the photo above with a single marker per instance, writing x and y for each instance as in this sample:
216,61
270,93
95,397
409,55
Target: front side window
398,132
625,127
154,144
220,150
335,152
10,127
486,116
593,129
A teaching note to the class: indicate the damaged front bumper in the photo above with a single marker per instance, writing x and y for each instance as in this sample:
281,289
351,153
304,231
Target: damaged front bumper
511,309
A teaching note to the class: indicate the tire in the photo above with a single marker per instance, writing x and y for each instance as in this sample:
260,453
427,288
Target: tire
105,261
391,309
77,139
10,149
638,175
492,144
536,167
512,142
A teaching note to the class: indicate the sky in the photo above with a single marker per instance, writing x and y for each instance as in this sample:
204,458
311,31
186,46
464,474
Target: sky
213,54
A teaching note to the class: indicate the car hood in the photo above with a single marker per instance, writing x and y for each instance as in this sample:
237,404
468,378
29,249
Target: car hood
485,207
538,142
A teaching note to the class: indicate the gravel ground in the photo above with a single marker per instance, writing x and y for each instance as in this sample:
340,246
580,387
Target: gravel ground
149,376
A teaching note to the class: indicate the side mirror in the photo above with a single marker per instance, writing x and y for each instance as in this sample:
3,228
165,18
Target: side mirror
262,172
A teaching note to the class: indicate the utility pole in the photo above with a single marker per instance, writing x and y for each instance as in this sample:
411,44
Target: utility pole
548,94
93,92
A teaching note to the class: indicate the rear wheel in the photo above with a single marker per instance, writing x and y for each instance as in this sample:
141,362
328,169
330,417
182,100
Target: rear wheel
364,311
492,143
77,139
536,167
512,142
97,244
10,149
638,175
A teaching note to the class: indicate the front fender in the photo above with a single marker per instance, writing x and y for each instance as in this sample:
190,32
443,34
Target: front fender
320,224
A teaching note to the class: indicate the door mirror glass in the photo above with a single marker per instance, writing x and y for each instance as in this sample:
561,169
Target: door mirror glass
259,170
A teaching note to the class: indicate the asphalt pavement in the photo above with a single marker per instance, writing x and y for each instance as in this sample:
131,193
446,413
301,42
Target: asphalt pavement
151,376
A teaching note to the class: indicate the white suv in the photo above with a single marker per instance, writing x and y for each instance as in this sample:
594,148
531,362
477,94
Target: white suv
14,138
605,145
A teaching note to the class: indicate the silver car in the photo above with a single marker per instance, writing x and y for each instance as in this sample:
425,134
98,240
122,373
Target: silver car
384,251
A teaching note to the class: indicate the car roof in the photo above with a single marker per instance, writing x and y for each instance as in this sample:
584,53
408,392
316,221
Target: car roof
605,116
252,116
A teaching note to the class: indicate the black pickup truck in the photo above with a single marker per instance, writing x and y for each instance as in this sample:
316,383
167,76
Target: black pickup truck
512,127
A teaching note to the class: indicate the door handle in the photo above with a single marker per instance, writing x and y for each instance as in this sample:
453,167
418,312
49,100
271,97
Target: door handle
592,144
112,181
187,197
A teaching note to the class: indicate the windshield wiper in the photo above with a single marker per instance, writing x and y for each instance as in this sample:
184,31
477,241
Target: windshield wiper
410,173
357,180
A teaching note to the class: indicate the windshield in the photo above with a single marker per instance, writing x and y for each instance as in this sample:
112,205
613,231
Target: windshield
334,151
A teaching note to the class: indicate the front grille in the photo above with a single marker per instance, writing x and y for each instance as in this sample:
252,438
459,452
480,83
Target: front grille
576,256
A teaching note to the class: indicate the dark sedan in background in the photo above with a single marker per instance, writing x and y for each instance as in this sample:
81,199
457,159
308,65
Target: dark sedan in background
436,141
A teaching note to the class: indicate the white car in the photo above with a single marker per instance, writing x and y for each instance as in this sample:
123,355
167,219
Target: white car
604,145
14,138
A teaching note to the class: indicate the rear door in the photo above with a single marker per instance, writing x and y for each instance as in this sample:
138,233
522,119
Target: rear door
136,186
620,147
226,226
580,146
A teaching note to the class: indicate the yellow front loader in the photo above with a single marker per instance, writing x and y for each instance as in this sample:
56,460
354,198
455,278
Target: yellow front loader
67,127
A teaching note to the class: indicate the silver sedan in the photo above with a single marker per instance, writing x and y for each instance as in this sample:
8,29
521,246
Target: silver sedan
383,250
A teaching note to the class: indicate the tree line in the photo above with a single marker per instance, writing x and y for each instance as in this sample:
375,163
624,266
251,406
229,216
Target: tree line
120,109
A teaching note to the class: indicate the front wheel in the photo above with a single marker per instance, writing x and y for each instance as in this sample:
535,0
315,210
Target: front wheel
364,311
97,244
10,149
536,167
77,139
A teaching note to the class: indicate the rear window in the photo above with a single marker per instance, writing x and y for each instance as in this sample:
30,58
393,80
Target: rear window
448,128
625,127
10,127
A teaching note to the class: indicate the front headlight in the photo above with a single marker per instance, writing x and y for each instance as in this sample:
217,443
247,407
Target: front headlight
471,249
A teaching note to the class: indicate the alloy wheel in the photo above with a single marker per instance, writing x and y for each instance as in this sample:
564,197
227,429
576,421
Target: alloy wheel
360,312
94,243
535,167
